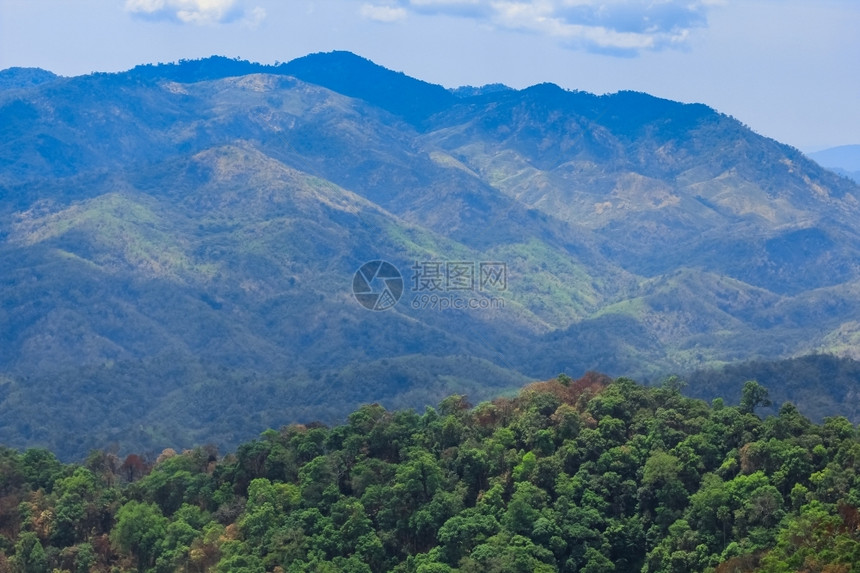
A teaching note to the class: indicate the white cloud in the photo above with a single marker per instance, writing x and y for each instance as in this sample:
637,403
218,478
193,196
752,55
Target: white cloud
383,13
619,27
200,12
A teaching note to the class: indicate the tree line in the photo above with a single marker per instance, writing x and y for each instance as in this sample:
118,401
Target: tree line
592,475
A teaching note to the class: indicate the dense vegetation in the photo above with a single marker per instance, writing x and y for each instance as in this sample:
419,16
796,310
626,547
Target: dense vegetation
588,475
187,234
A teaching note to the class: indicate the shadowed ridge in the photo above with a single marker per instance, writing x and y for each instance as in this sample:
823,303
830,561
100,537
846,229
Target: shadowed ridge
354,76
190,71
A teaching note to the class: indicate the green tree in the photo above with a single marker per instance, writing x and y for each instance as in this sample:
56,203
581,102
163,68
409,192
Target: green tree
524,508
29,554
85,558
753,395
40,468
663,494
140,528
815,540
462,532
78,509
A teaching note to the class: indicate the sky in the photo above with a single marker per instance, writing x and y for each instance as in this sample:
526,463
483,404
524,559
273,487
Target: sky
786,68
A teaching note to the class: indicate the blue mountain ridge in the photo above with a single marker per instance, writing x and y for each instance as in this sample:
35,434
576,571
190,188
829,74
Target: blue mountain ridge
178,243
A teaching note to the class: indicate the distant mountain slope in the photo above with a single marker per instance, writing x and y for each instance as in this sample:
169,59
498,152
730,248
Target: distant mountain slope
844,156
695,185
178,245
823,386
844,160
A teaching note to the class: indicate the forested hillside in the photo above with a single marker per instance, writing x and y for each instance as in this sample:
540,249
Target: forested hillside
591,475
178,246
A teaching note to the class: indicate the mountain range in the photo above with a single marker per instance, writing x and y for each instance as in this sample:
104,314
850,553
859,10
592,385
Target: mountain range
180,246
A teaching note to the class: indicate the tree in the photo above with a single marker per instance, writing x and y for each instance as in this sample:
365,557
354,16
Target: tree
85,558
419,477
506,553
524,508
461,533
661,483
133,468
29,554
753,395
814,540
711,512
139,529
79,508
40,468
239,559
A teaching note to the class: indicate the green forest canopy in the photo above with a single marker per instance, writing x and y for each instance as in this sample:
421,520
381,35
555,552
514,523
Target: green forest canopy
592,475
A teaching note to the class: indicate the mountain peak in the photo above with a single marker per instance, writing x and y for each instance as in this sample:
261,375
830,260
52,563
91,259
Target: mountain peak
17,78
354,76
339,71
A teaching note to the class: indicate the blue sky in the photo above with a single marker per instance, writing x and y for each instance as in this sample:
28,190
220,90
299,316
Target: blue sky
786,68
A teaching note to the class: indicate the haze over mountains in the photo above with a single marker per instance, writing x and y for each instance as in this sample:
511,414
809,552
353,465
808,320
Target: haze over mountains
178,245
844,159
